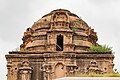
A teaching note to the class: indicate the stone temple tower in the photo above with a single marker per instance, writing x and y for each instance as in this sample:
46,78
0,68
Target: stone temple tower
57,45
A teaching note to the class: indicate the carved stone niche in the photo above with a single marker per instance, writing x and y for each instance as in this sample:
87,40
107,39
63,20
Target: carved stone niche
47,71
60,20
25,71
60,16
93,68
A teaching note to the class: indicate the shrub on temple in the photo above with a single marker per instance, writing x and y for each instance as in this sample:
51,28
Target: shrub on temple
100,48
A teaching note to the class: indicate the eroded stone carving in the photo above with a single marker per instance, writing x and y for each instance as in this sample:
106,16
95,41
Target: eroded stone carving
93,68
56,46
25,71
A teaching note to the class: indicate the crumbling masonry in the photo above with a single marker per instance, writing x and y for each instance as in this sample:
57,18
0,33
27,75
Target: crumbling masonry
57,46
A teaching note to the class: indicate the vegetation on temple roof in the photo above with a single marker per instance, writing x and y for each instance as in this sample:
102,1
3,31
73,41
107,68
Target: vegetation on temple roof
100,48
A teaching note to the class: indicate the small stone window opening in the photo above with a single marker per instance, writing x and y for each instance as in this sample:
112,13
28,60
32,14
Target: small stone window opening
87,68
15,68
45,19
93,63
62,68
59,45
105,68
62,24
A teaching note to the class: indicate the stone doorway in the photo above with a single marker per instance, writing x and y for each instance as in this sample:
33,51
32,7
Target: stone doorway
59,70
59,45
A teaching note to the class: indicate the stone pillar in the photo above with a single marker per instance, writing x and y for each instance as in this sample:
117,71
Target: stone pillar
10,70
111,65
47,69
25,71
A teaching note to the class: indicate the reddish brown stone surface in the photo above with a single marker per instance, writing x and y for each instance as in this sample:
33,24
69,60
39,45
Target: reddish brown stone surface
57,46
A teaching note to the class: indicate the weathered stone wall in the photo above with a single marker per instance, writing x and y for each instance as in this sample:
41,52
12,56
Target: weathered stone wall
56,46
42,36
46,65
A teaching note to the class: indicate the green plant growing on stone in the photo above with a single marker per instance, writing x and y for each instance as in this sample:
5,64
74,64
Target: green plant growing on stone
74,29
115,71
100,48
104,75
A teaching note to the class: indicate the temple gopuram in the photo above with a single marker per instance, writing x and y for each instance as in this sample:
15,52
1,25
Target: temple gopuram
55,46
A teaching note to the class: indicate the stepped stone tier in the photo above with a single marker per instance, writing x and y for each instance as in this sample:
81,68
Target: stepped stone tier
57,45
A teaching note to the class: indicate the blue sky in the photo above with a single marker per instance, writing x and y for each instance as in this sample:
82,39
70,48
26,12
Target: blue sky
17,15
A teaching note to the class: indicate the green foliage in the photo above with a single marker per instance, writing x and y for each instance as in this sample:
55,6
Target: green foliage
100,48
113,75
115,71
104,75
74,29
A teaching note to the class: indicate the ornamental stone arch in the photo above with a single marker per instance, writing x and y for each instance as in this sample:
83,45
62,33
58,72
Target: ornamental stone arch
60,16
59,70
25,71
60,20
